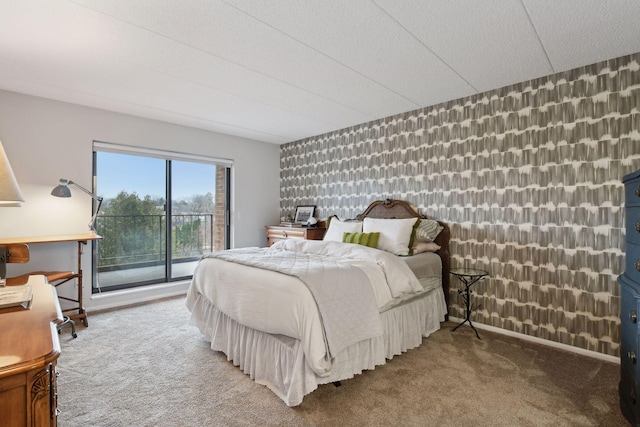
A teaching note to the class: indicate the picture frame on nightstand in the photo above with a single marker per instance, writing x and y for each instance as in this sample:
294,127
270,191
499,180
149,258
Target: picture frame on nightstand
303,213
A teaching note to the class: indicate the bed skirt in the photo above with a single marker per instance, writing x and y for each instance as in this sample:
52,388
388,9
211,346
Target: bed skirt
278,361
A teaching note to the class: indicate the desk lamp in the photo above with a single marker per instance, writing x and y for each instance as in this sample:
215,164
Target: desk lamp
10,195
62,190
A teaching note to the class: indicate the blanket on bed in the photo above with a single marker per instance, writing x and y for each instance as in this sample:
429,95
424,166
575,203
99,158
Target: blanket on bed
342,292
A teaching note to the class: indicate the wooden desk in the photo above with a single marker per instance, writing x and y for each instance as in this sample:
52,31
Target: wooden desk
82,239
29,349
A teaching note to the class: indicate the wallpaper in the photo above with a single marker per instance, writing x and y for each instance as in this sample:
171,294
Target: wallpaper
527,176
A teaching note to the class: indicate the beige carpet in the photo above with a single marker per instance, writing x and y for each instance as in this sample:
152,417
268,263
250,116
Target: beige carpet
146,366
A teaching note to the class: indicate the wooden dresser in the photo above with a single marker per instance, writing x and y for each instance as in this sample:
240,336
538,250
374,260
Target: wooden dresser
29,349
277,232
630,304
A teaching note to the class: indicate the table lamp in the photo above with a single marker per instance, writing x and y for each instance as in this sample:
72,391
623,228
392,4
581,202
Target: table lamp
10,195
62,190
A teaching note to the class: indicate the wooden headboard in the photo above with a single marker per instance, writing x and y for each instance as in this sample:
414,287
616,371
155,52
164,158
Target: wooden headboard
400,209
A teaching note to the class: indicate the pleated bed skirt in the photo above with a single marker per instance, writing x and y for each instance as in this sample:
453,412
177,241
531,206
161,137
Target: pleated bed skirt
278,361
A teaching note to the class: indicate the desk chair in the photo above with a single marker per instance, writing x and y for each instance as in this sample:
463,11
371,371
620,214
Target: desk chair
19,253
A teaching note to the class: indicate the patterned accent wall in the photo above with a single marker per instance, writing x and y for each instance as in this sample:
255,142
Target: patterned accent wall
529,179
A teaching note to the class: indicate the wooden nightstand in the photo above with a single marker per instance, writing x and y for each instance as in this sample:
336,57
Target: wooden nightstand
277,232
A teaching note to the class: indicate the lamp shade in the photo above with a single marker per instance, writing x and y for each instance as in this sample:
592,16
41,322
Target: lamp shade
62,190
9,190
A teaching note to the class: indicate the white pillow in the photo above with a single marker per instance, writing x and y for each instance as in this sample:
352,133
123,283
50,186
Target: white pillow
395,234
337,228
419,247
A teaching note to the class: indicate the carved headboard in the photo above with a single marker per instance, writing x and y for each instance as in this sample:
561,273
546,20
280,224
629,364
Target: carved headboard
400,209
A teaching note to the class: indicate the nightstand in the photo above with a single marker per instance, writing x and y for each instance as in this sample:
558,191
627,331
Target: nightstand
278,232
468,276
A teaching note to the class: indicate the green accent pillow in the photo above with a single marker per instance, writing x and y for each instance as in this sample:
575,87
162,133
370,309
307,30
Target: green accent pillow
364,239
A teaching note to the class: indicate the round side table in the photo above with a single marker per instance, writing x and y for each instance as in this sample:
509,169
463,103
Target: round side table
468,276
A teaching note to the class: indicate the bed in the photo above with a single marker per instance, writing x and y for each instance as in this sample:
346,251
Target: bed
304,313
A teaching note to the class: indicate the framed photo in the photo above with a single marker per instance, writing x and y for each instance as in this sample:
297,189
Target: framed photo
303,213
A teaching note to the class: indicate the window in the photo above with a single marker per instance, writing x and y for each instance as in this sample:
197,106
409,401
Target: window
161,212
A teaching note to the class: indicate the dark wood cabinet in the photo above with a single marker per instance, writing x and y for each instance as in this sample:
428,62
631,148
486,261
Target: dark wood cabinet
277,232
630,304
29,349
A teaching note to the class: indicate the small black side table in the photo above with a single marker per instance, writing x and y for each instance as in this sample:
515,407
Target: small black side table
468,276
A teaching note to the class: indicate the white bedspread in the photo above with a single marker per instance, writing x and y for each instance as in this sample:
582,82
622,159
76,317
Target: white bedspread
342,292
279,304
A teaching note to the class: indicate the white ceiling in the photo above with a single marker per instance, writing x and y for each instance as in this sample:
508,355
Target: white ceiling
282,70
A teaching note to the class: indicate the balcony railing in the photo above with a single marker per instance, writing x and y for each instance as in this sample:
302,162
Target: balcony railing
136,241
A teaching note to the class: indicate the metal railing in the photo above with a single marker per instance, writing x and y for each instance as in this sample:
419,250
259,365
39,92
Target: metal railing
134,241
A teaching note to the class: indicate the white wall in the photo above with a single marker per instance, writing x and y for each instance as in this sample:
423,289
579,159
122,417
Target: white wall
47,140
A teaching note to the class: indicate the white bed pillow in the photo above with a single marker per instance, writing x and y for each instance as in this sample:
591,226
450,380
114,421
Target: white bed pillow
395,234
337,228
419,247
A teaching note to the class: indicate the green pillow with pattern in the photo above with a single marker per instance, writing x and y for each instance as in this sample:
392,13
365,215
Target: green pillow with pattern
364,239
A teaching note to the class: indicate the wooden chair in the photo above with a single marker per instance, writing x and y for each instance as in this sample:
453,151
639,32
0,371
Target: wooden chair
19,253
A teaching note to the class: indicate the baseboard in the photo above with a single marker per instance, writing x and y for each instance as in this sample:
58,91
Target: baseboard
132,296
122,298
566,347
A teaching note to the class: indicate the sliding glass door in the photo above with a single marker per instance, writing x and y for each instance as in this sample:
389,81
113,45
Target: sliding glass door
159,216
131,221
192,214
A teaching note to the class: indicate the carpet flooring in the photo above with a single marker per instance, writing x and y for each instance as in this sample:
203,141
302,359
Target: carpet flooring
146,366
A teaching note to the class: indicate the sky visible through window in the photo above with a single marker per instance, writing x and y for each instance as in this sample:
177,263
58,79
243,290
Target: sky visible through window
146,176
